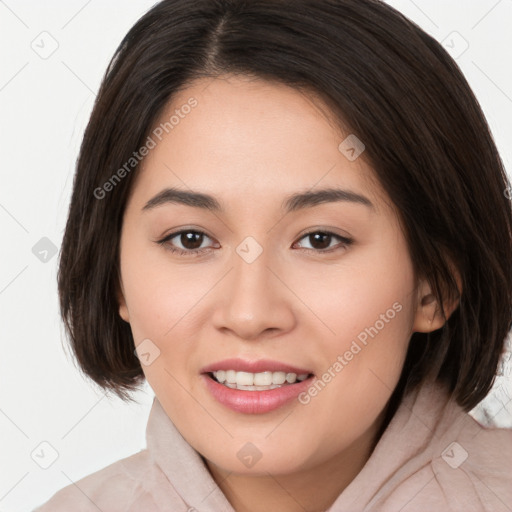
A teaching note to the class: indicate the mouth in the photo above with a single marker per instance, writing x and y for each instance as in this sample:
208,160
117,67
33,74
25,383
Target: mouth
255,387
261,381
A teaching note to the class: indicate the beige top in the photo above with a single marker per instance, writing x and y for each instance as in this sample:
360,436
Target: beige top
432,457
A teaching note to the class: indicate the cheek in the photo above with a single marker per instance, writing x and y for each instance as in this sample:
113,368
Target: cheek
157,293
367,306
371,289
164,301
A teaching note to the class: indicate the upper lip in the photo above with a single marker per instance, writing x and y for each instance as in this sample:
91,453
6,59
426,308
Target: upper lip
261,365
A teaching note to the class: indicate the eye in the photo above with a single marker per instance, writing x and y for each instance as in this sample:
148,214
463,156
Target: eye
190,240
321,241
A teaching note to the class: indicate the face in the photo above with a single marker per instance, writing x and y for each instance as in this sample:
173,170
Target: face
260,289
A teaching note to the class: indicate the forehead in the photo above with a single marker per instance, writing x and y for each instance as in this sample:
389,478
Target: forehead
250,138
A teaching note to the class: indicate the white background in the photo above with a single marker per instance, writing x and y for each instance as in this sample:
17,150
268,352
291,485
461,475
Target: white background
44,106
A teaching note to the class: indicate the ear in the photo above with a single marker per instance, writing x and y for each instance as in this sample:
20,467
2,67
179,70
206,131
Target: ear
123,308
429,316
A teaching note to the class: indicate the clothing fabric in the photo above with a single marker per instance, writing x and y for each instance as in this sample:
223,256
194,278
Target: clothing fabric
432,457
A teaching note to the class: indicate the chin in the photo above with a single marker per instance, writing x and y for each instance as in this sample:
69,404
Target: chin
263,462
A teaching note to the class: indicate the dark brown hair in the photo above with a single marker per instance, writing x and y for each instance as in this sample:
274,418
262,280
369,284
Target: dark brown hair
385,79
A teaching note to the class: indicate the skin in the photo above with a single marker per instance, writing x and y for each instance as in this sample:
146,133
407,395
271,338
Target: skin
251,143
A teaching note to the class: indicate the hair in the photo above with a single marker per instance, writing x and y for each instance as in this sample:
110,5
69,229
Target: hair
385,80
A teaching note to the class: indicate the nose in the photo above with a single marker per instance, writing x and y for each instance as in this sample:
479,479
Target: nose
253,300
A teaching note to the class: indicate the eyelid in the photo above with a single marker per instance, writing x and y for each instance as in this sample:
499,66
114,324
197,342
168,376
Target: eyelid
326,230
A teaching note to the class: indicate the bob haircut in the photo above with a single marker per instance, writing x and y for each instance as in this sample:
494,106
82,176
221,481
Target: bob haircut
386,81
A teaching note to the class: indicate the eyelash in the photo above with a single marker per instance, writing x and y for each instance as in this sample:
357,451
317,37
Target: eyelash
345,242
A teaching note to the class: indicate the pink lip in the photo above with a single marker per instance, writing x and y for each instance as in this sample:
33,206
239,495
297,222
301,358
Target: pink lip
255,402
261,365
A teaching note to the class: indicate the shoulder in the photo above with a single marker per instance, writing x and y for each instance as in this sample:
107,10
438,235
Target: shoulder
113,488
473,464
440,458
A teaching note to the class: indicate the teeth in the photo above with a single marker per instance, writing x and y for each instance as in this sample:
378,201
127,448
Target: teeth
256,381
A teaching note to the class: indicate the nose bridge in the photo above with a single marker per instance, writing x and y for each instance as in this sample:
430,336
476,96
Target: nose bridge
253,299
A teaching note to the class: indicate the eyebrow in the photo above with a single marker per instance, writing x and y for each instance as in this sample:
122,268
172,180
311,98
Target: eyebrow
294,202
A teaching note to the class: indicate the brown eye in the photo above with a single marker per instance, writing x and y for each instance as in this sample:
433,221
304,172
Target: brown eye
320,241
191,239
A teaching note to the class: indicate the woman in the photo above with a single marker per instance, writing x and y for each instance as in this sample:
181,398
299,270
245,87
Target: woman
291,220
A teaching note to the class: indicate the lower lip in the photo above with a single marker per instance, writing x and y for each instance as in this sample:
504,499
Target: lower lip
255,402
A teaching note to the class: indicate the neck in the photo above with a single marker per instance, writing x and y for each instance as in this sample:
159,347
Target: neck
312,489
